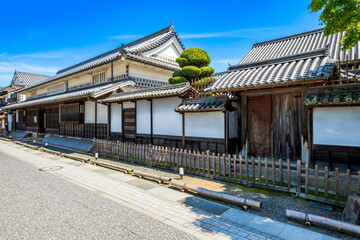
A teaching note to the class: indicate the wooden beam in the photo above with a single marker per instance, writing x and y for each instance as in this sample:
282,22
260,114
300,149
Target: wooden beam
122,123
151,122
183,130
112,70
95,119
108,121
226,119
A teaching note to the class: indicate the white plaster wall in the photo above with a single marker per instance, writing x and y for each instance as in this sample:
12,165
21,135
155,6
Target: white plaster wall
205,124
119,67
17,115
143,117
41,91
336,126
129,105
10,119
89,112
85,79
102,114
149,72
166,121
233,125
116,117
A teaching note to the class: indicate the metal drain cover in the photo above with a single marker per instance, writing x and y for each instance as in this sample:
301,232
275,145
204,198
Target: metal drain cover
52,168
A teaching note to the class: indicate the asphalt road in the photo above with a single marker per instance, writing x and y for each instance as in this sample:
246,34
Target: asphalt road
39,205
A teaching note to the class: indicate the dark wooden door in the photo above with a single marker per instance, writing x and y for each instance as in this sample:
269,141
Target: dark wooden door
41,121
129,125
259,119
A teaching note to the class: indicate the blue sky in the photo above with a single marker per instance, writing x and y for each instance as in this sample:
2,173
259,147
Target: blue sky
45,36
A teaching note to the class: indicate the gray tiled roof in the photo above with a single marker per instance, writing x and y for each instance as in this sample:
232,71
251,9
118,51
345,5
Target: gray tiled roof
300,43
133,51
167,91
204,104
96,91
272,73
27,79
296,58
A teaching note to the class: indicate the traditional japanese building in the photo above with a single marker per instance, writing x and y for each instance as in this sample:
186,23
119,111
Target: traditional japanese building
68,102
272,83
10,95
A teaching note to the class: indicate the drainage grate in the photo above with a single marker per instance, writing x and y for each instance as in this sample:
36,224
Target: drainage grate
52,168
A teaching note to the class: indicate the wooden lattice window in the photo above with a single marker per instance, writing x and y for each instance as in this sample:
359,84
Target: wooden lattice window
70,113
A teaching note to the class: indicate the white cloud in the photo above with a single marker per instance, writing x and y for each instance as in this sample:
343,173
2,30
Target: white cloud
42,55
7,67
127,36
242,33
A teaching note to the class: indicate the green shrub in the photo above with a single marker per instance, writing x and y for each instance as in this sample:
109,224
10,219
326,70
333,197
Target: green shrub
178,74
206,71
171,80
196,57
177,80
191,72
183,62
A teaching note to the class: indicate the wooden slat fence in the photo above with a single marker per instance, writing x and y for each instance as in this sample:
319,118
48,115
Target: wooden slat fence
278,174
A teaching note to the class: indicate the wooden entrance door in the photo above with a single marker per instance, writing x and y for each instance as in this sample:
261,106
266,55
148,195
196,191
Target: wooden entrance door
129,125
41,118
259,119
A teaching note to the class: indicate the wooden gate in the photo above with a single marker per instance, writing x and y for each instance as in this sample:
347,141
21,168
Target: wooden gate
129,125
259,119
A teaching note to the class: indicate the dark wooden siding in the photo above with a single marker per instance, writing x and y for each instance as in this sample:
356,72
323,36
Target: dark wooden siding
129,121
259,120
289,122
70,113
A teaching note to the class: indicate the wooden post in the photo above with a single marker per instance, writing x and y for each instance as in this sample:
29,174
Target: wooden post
235,170
208,162
281,172
266,172
273,172
316,179
326,179
253,168
306,178
183,130
298,167
247,168
96,120
259,169
348,182
336,183
227,132
151,123
224,164
240,168
288,175
122,123
108,120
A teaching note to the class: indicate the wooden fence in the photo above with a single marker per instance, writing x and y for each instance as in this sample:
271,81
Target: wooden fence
283,175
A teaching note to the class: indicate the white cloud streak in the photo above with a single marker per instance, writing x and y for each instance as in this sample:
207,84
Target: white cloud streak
242,33
127,36
41,55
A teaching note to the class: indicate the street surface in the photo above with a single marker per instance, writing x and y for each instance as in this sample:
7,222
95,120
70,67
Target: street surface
74,200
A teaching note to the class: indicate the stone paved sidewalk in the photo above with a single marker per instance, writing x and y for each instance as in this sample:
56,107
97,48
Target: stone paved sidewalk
199,217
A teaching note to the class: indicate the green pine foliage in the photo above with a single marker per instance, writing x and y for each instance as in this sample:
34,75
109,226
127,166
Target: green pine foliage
194,63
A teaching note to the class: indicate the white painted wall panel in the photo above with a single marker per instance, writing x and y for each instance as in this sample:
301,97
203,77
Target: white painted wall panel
129,105
336,126
10,119
143,121
166,120
115,117
102,114
89,112
205,124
